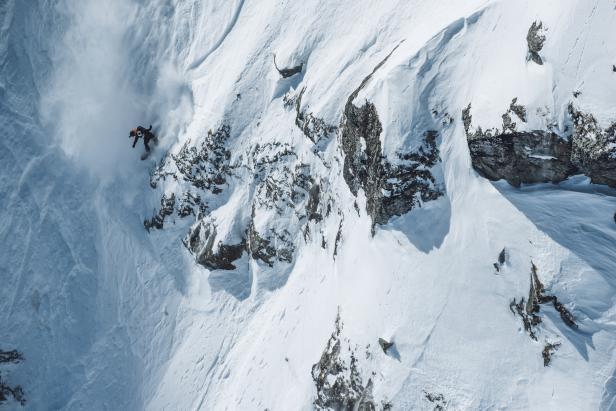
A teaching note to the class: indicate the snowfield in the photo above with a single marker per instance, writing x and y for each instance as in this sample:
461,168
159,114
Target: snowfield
272,290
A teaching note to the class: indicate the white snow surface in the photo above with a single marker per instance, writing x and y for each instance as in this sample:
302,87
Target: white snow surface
111,317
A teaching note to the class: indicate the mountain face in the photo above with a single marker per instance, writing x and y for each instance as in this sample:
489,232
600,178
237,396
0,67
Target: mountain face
401,205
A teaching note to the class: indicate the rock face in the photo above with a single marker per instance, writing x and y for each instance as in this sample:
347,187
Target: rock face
289,71
593,148
313,127
391,189
201,242
534,157
167,205
529,312
338,380
543,155
270,246
535,39
7,391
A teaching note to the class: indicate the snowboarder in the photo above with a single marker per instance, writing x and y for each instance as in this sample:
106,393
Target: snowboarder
146,134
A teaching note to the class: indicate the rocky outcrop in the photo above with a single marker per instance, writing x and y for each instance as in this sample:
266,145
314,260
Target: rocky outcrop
537,296
338,380
313,127
391,188
409,182
514,111
270,246
290,71
535,39
548,350
363,168
191,204
502,259
529,320
436,400
522,157
201,241
167,207
593,148
385,345
206,166
529,310
541,156
6,390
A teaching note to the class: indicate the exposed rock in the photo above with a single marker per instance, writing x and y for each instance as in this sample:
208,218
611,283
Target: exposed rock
161,171
529,310
502,257
338,381
167,206
270,246
548,350
385,345
288,72
407,184
201,242
206,166
362,162
593,148
538,296
529,320
11,357
542,155
189,203
314,196
518,109
7,391
391,189
522,157
535,39
315,128
438,400
338,239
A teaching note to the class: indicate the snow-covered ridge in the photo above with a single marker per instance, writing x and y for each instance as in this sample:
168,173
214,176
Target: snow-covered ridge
288,230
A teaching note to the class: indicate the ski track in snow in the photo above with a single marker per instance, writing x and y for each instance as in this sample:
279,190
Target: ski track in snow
110,316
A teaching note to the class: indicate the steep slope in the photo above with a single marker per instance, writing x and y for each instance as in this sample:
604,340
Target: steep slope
291,224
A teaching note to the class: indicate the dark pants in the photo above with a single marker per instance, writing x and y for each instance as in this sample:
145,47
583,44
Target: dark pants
147,136
146,139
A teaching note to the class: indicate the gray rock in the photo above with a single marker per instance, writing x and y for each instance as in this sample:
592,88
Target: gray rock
548,350
167,206
313,127
339,382
288,72
522,157
270,246
502,257
535,39
391,189
593,148
206,167
385,345
201,241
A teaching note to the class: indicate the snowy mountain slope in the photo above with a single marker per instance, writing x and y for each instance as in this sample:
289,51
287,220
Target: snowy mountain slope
328,209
